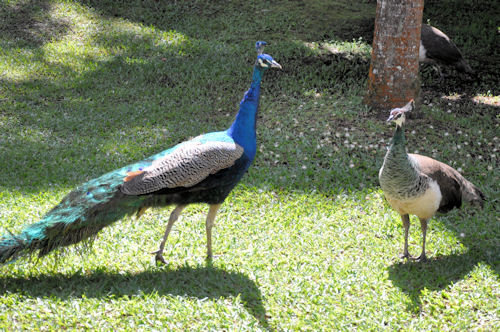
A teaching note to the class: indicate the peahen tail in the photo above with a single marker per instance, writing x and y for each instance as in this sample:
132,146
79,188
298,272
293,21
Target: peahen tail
79,216
471,193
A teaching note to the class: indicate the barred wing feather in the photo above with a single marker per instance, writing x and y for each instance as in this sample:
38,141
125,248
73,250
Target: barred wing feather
186,166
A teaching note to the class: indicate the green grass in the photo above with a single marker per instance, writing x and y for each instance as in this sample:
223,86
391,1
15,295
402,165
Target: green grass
306,241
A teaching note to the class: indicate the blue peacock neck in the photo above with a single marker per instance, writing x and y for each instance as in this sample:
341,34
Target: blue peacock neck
243,129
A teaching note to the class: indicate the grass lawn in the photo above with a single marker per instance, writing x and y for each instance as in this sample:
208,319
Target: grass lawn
306,241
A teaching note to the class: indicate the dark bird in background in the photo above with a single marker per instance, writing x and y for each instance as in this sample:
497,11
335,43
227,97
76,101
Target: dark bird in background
437,47
419,185
202,170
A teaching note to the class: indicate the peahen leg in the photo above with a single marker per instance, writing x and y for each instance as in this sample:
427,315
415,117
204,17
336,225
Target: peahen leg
173,218
406,224
439,71
209,224
423,223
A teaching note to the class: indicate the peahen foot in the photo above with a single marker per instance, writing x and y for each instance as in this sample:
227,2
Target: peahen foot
421,258
212,257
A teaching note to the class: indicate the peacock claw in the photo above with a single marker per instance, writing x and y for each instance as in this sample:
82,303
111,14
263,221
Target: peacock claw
159,259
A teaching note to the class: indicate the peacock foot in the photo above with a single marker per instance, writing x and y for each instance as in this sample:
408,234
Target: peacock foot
159,257
405,255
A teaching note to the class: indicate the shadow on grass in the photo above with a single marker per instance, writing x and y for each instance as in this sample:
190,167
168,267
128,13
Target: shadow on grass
435,274
200,282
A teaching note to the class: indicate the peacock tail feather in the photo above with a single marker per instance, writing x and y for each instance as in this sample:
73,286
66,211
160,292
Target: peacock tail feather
85,211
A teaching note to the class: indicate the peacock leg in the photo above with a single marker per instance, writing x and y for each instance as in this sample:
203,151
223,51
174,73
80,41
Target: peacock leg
173,218
406,224
141,211
209,224
423,257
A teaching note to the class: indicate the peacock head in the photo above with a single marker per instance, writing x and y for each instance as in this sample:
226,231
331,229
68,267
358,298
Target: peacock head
398,114
264,61
259,46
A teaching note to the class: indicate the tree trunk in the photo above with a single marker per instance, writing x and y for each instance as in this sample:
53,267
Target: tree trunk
393,78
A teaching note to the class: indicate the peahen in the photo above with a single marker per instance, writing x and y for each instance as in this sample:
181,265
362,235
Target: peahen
437,47
419,185
202,170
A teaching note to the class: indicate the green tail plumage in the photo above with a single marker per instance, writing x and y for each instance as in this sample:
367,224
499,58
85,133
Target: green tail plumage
79,216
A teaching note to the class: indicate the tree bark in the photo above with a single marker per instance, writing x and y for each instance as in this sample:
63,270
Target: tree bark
393,78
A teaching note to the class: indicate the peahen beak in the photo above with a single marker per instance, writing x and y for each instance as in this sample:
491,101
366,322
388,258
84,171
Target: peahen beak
274,64
391,117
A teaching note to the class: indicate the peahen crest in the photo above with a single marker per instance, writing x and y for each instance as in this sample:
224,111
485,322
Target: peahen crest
398,114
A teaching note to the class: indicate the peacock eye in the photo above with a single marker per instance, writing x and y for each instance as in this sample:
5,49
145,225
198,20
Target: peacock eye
262,64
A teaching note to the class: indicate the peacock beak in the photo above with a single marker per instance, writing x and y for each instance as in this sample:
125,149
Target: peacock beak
274,64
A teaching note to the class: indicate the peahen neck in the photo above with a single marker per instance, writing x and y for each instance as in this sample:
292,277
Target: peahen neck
243,129
396,158
398,140
399,176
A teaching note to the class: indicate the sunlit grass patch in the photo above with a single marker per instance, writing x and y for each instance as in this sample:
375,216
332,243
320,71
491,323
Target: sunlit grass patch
306,241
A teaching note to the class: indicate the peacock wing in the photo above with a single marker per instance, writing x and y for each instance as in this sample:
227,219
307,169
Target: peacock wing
186,166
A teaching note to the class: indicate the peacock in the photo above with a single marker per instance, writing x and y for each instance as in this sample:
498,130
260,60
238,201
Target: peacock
419,185
202,170
437,47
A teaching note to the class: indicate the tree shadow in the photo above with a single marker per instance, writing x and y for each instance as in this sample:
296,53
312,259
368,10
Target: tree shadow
355,21
78,100
28,22
75,104
200,282
329,70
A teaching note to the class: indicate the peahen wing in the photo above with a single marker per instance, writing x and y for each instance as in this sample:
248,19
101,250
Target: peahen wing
438,45
447,178
186,166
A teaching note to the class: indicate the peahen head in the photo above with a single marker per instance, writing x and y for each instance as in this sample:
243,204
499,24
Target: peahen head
398,114
264,61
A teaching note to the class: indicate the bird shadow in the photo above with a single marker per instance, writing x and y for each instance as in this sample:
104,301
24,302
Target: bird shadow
436,273
477,233
201,282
